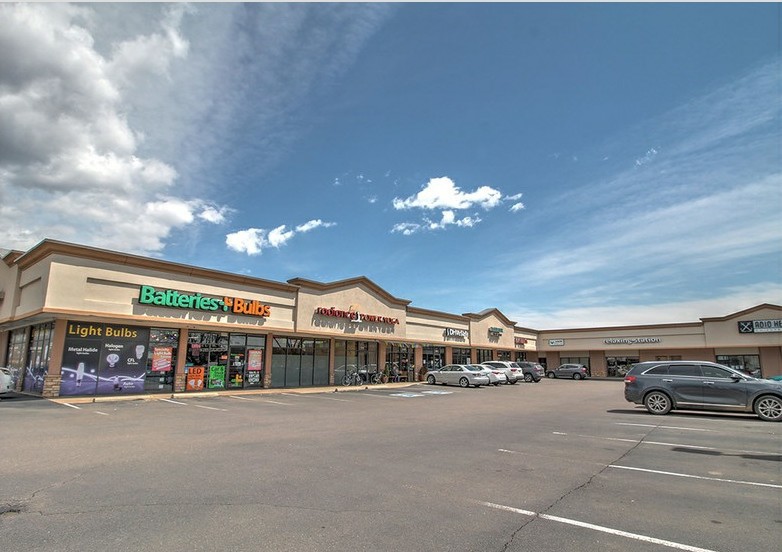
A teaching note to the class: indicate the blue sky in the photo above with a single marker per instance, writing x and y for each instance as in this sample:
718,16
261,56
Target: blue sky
570,164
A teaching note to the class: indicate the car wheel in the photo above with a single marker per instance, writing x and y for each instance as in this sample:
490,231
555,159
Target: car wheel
657,403
550,375
528,377
769,408
577,376
464,382
496,384
512,382
430,380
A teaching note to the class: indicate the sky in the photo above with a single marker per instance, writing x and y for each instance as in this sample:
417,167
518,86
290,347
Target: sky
572,165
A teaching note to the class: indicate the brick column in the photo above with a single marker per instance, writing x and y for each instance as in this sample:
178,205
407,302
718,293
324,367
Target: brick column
267,361
53,377
180,378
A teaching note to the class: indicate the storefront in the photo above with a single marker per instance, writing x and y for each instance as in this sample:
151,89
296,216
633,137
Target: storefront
79,321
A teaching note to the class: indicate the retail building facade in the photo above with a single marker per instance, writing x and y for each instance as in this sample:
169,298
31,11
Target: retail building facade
77,320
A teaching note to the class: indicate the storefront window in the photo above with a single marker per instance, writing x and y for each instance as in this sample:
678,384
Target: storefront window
16,349
520,356
749,364
207,361
484,355
433,357
617,367
38,357
355,356
503,355
300,362
161,360
400,358
461,356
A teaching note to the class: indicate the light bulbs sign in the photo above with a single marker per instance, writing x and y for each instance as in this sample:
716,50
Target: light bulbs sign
148,295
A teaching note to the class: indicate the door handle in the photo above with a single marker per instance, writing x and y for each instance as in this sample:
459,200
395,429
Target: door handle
708,382
668,380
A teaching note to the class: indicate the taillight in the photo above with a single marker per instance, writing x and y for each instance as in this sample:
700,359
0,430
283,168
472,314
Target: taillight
630,379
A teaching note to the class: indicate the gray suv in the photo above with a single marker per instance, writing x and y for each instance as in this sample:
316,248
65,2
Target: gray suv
698,385
532,370
575,371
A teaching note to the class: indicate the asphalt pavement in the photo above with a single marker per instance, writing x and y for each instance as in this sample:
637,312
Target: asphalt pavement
554,466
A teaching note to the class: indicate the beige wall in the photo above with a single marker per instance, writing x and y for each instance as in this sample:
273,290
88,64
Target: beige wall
480,337
725,333
357,298
100,289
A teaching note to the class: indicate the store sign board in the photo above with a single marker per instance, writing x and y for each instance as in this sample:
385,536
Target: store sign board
631,340
454,332
161,358
495,331
556,342
520,342
149,295
355,316
255,360
760,326
195,378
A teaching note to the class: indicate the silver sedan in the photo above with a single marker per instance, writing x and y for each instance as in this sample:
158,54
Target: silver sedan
458,374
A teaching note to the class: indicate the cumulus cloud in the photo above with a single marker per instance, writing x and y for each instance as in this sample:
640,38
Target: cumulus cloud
67,150
442,193
254,240
516,207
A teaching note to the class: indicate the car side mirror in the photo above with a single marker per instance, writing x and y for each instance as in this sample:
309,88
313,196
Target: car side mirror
736,377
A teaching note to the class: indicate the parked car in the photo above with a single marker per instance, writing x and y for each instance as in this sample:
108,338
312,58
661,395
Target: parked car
662,386
457,374
6,381
532,371
775,378
495,375
574,371
512,373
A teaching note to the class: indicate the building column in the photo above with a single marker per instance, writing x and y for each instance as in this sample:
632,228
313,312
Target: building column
332,357
597,364
180,378
418,360
267,361
53,377
770,361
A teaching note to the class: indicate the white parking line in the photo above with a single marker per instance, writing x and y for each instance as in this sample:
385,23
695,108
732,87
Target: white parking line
276,402
72,406
663,427
172,402
665,444
210,407
617,532
101,413
674,474
240,398
316,396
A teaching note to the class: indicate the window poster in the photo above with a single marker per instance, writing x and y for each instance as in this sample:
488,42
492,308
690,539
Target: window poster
254,360
104,359
195,378
161,358
216,377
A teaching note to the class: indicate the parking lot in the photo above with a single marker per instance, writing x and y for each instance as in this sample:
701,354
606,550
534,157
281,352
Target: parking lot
554,466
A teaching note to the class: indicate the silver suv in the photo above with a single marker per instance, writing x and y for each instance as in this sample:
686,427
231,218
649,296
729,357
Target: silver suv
532,370
698,385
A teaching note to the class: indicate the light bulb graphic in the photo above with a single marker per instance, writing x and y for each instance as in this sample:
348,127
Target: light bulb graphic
79,373
112,359
139,351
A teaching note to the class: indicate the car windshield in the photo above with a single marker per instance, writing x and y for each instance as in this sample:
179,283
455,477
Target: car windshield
473,368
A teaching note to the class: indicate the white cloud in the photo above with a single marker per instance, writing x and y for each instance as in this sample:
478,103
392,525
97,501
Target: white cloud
254,240
67,150
516,207
442,193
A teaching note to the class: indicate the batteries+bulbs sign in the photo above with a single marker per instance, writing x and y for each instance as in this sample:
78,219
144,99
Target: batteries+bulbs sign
148,295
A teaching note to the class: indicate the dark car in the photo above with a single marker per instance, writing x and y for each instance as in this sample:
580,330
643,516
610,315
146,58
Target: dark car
532,371
662,386
574,371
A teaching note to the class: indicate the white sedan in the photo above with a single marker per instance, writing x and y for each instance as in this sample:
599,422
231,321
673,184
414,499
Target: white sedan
458,374
6,381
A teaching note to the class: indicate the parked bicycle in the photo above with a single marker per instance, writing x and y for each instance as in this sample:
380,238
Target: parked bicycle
352,378
376,378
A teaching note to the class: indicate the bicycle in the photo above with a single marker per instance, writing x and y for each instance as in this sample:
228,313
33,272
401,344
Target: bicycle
352,378
376,378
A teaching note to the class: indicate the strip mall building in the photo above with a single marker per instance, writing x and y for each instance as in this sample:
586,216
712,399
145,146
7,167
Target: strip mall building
78,321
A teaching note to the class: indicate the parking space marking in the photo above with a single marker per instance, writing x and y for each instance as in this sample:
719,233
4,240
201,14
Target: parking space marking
72,406
101,413
210,407
661,443
602,529
276,402
173,402
315,396
240,398
663,427
721,480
